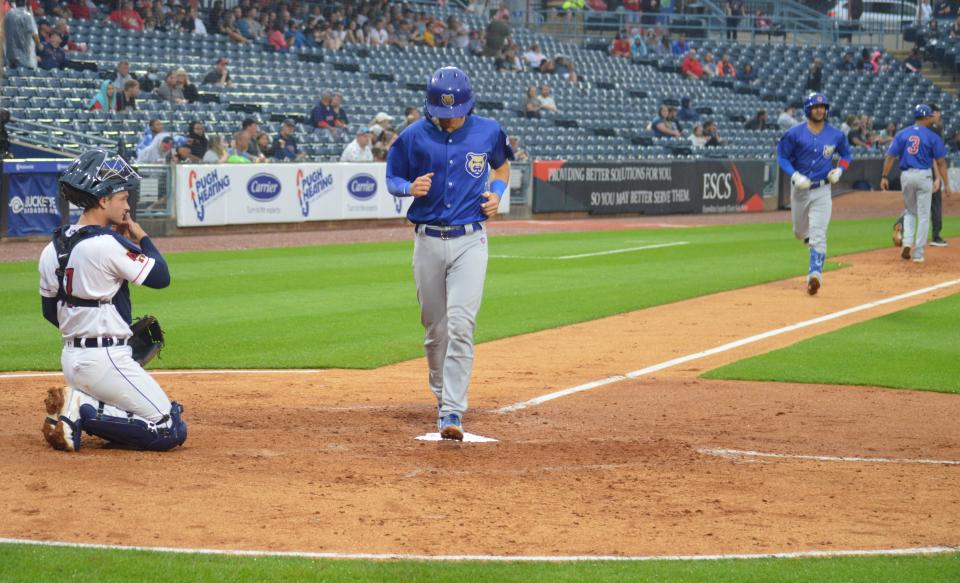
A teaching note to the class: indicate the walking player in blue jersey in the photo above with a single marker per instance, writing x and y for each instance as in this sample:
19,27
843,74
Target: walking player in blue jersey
442,161
805,152
918,148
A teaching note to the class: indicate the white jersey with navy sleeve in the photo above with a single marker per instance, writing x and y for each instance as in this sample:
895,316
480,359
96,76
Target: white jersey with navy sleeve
97,269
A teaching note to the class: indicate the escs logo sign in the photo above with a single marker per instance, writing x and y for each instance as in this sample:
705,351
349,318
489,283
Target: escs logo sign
717,186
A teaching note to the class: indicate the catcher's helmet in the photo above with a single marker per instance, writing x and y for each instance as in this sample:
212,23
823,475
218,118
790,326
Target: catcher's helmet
449,94
94,175
813,100
922,111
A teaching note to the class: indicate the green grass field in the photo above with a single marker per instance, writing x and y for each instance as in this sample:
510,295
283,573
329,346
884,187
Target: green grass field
28,563
354,306
910,349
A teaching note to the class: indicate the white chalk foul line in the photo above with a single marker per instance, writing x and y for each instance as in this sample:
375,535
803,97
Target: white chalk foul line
498,558
38,375
734,453
596,254
722,348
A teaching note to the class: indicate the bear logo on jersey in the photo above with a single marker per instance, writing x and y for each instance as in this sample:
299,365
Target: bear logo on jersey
447,99
476,164
828,152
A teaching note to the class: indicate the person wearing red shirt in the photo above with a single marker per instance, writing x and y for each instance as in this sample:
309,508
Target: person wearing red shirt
127,18
691,66
79,9
276,39
620,47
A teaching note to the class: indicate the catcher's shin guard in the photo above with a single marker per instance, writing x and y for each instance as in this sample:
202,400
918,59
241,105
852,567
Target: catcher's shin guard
134,432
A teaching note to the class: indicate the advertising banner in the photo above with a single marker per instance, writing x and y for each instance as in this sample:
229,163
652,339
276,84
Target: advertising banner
668,187
33,195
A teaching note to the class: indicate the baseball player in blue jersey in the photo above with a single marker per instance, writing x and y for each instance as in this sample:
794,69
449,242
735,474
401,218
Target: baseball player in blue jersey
918,148
442,161
805,152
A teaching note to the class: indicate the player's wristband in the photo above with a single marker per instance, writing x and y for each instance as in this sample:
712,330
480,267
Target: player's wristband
498,186
884,177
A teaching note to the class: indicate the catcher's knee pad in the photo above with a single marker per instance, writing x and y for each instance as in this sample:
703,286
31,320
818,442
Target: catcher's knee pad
135,432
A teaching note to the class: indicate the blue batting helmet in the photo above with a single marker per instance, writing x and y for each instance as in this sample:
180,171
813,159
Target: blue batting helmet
449,93
94,175
922,111
813,100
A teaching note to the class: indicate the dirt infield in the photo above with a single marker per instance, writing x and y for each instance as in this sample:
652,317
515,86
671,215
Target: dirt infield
327,461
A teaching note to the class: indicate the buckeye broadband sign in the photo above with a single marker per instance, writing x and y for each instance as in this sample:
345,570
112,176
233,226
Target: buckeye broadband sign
235,194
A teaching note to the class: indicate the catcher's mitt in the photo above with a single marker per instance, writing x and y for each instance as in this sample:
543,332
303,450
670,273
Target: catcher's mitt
147,339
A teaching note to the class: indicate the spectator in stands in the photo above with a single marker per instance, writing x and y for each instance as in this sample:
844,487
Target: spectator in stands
285,147
229,28
219,76
121,75
691,66
697,139
197,141
214,16
945,9
846,64
954,32
410,115
886,135
712,133
295,37
663,125
321,116
105,99
154,128
761,24
855,135
531,103
508,62
650,9
126,17
519,154
788,117
815,76
709,66
734,11
193,23
477,43
537,60
249,129
63,29
359,149
216,152
687,111
80,9
954,142
277,40
546,99
924,13
340,119
127,99
190,92
847,124
160,151
866,127
864,63
249,26
914,62
170,90
382,120
748,75
638,48
21,39
564,67
620,47
680,47
239,150
264,147
497,32
725,68
52,55
758,122
459,34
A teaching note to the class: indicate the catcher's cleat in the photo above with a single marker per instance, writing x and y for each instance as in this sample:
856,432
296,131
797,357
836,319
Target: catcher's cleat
905,253
938,242
451,428
813,283
61,428
897,235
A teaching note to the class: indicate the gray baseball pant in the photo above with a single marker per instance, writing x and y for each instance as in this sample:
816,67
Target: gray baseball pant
917,193
450,274
810,211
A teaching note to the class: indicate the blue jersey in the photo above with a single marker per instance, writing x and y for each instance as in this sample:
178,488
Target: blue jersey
917,147
459,162
811,154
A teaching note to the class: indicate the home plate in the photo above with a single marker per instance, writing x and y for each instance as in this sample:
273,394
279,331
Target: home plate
467,437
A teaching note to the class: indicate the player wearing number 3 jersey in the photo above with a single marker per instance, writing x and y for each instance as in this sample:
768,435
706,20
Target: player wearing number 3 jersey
805,153
84,275
444,161
918,148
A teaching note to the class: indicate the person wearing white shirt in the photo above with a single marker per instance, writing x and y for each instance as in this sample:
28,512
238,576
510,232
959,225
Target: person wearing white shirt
359,149
546,100
786,120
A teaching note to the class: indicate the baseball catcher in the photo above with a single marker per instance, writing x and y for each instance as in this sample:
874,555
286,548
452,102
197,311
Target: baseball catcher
85,274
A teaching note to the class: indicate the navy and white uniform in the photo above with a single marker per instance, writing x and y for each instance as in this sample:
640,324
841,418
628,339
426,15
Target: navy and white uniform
800,150
450,248
918,149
